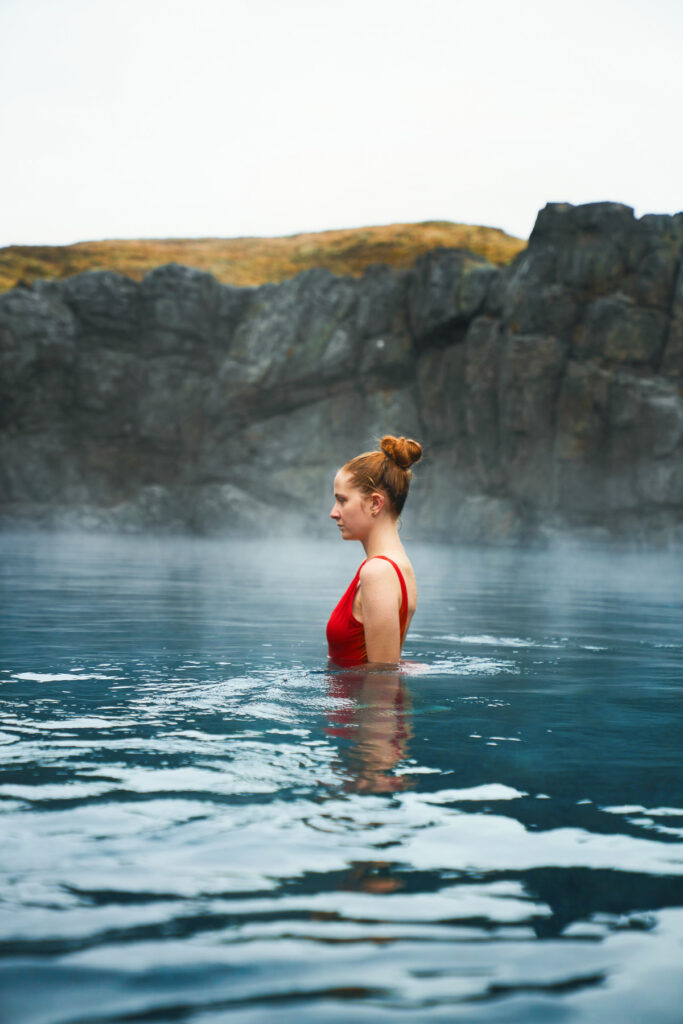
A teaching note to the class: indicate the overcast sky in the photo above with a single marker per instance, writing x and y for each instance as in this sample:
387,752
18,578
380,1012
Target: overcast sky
162,118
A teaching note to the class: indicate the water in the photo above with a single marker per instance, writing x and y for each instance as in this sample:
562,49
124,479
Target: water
201,823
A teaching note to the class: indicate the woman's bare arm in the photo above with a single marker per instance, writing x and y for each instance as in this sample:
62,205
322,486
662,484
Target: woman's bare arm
380,596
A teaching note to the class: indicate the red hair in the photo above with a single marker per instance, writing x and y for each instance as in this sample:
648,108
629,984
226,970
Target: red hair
386,470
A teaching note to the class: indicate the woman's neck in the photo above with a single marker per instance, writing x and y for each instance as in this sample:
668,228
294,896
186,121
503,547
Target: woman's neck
382,539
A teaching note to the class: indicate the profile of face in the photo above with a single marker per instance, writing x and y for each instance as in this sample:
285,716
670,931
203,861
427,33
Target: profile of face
353,511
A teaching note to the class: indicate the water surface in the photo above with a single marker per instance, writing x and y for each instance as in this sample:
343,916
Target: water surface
200,822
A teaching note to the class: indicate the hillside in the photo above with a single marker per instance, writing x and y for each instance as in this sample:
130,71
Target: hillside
253,261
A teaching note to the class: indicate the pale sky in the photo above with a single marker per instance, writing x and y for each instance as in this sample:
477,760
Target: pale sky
194,118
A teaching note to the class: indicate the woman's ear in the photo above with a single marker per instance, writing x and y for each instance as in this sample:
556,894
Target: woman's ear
376,503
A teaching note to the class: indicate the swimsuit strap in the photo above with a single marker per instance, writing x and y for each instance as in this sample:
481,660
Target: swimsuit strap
404,590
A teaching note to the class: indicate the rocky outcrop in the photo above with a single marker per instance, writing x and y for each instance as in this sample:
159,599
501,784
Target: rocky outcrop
547,393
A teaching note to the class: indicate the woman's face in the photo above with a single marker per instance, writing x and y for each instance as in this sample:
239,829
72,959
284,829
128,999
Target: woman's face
352,509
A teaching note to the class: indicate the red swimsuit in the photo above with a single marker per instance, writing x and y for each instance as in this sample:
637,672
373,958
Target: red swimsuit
346,635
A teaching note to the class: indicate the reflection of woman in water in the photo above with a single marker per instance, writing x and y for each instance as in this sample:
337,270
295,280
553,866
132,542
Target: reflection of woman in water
370,621
374,719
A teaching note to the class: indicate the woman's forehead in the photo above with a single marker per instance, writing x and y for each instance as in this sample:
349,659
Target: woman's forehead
341,481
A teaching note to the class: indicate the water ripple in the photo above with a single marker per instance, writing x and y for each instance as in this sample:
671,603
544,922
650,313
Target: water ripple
201,822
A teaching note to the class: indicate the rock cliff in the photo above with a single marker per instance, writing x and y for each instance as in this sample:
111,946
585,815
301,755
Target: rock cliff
547,393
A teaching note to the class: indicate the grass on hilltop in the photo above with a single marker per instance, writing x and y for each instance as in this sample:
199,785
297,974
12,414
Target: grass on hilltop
254,261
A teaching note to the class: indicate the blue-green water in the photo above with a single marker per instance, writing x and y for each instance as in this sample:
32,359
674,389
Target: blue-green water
201,823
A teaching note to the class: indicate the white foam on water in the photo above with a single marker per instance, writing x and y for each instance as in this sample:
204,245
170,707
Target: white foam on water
85,722
60,677
485,639
485,792
56,791
465,666
289,732
655,812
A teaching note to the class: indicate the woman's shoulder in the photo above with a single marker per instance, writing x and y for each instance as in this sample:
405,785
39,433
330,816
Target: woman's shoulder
382,567
375,568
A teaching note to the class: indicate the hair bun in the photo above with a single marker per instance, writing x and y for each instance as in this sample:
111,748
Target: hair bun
401,450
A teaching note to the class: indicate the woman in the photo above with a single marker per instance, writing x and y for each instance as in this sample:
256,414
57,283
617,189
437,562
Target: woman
370,622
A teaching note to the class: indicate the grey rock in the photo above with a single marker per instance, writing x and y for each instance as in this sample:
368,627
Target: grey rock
616,330
546,394
677,297
152,507
41,468
672,359
387,351
449,287
444,480
654,259
106,307
226,509
106,385
481,519
544,309
484,348
178,311
582,247
442,394
532,368
37,355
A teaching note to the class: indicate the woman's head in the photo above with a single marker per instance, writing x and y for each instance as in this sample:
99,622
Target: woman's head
386,470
